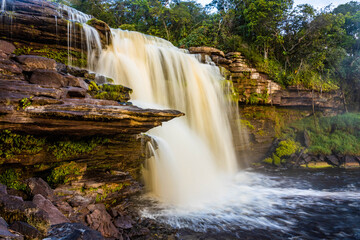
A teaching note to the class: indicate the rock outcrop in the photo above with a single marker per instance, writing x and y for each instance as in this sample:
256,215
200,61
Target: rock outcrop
46,28
255,87
38,99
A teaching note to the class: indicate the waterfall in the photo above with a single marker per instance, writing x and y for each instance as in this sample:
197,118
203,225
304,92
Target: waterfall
195,153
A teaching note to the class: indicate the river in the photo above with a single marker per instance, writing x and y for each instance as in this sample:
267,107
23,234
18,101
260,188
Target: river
291,204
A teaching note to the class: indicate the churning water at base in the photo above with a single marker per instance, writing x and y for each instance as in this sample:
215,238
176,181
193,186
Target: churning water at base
271,205
193,155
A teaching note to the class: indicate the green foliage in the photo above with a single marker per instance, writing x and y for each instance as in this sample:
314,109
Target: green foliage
12,144
329,135
11,178
70,148
285,149
24,103
65,173
247,124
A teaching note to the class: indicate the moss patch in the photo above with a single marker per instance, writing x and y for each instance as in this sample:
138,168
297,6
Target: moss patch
12,179
70,148
110,92
66,172
12,144
78,59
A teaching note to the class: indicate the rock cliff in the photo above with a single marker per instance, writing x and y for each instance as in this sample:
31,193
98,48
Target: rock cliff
255,87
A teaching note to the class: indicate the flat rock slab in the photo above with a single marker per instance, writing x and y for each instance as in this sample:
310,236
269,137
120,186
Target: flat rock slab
31,63
48,78
73,118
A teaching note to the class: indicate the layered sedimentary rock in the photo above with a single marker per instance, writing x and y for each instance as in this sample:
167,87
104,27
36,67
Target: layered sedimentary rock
256,87
36,98
45,28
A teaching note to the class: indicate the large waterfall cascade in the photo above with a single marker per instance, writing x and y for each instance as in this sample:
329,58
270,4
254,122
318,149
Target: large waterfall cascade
195,153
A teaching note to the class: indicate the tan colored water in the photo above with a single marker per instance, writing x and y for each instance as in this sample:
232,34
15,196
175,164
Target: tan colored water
195,153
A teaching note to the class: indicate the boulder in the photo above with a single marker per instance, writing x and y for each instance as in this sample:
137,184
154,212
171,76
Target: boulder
75,92
25,229
73,231
39,186
100,220
31,63
76,82
55,216
332,160
123,222
78,201
47,78
6,47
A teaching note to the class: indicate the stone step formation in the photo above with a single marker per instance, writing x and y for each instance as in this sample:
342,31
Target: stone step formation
254,87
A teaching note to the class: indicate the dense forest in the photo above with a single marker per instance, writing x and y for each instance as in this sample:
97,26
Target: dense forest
294,45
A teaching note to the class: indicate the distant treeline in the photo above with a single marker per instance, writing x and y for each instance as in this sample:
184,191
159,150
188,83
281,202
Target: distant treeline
295,45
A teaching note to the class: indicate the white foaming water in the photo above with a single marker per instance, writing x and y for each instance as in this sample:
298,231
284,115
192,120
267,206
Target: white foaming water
195,154
251,201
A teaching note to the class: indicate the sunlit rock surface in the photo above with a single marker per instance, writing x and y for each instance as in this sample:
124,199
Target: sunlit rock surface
255,87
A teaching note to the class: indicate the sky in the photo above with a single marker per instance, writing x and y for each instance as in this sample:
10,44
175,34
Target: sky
316,3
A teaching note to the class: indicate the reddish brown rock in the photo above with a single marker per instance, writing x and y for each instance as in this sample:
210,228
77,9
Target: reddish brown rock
31,63
6,47
48,78
75,92
39,186
207,50
100,220
76,82
55,216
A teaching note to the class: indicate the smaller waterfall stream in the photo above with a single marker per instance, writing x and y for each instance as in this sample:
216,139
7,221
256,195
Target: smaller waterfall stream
3,5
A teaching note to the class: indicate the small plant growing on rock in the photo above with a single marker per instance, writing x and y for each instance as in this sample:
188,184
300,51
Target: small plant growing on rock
24,103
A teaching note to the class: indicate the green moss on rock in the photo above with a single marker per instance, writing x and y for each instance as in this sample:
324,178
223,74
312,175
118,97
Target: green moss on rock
12,179
66,172
110,92
12,144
